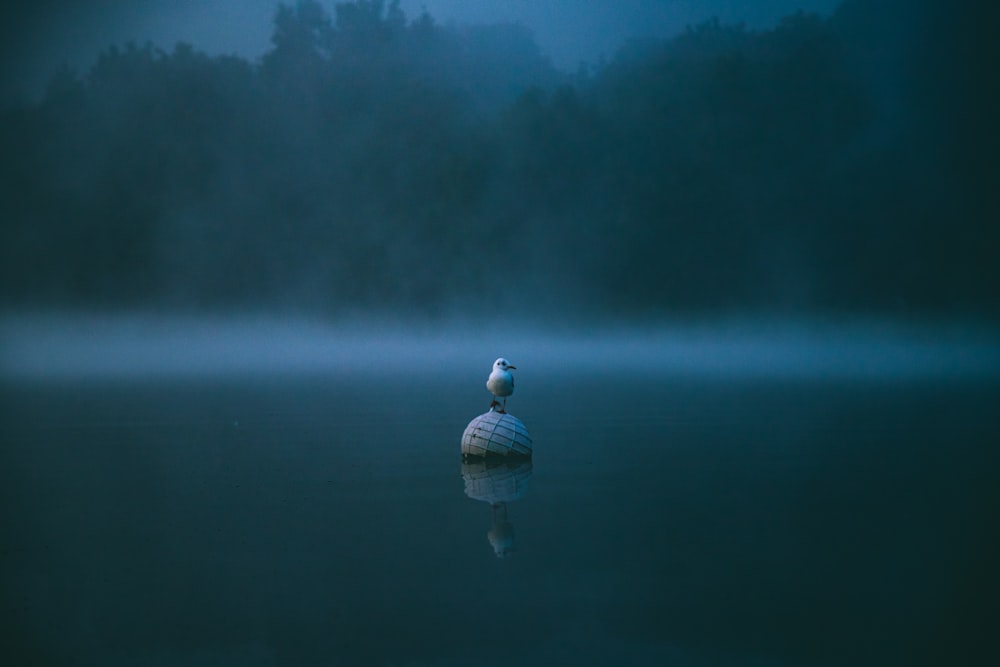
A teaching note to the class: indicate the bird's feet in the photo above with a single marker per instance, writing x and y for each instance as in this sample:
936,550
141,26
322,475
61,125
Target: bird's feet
495,404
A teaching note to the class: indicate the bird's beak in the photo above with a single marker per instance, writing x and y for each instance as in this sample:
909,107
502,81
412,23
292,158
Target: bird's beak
514,367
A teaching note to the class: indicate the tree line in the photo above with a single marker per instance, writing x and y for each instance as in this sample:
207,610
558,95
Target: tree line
373,161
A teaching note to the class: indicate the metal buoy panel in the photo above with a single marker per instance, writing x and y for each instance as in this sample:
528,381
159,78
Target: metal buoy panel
496,434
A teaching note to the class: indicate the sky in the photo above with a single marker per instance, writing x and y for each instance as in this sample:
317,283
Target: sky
37,37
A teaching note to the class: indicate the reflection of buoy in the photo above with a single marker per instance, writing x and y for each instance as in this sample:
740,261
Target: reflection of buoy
496,434
498,482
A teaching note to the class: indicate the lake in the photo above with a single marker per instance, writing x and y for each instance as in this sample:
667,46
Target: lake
291,519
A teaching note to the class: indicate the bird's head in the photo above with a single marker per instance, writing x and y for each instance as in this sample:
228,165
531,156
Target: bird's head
503,364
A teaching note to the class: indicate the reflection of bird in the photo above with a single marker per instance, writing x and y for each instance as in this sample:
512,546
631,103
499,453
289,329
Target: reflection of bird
501,382
501,533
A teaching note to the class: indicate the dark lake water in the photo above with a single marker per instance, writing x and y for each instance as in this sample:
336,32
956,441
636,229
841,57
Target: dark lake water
294,520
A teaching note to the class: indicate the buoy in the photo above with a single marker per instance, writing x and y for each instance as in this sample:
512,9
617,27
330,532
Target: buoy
495,434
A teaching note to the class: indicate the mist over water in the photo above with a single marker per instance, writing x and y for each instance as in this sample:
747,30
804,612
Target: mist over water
270,492
137,347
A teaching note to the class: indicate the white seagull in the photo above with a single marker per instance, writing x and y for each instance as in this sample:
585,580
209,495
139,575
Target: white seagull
501,383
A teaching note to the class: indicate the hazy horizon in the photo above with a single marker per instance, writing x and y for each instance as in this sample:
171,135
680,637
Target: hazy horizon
54,346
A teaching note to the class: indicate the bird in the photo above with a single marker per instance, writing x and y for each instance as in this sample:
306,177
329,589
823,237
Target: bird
501,383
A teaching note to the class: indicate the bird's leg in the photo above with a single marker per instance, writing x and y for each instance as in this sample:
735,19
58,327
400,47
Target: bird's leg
494,403
503,410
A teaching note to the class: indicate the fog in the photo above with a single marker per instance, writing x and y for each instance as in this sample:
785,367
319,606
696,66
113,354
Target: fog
152,348
745,265
378,163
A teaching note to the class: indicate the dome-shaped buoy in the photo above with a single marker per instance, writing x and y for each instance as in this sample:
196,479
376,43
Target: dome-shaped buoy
496,434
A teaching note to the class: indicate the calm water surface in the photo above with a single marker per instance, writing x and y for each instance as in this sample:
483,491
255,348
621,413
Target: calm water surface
301,521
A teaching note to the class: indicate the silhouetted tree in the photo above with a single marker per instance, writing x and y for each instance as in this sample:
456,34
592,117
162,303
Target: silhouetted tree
372,161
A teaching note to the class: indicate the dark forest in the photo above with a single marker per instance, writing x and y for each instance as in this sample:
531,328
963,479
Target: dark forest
374,161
